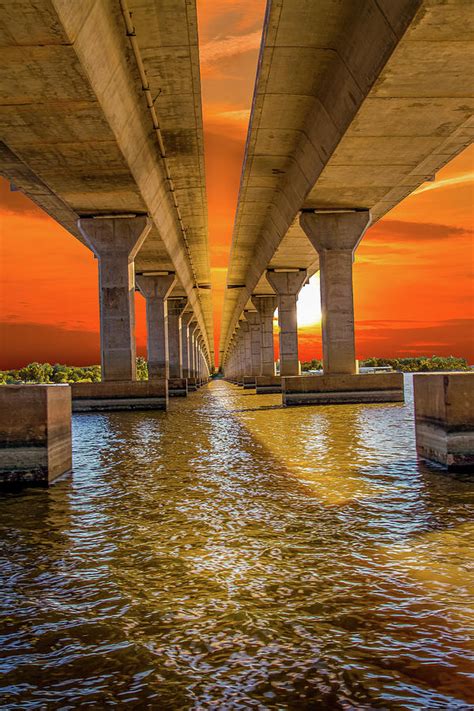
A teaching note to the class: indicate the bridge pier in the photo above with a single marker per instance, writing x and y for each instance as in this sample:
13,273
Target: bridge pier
115,242
266,380
254,337
444,419
186,319
156,288
192,379
35,434
335,236
287,284
177,385
246,370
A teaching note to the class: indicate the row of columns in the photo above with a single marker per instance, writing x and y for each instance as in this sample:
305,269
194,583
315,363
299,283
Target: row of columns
335,236
174,342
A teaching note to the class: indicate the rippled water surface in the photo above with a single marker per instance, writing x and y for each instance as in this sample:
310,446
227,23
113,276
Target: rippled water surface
231,554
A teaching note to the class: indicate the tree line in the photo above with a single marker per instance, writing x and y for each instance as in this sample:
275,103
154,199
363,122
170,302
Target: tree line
60,373
420,364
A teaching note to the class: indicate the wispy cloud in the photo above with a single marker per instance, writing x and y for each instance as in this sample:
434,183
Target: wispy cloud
229,46
401,230
446,183
240,115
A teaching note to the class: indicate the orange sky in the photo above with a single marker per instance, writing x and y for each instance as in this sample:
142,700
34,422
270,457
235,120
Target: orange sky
413,273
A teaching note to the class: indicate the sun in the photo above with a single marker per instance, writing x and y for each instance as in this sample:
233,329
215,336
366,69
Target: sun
309,303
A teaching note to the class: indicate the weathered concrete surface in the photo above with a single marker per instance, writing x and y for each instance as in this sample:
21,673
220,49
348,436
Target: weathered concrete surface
335,237
287,285
78,124
127,395
192,384
268,384
35,434
116,242
248,382
177,387
156,290
176,308
185,321
253,320
342,389
266,306
356,105
444,418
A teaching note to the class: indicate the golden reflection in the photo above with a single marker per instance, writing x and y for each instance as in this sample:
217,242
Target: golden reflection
324,448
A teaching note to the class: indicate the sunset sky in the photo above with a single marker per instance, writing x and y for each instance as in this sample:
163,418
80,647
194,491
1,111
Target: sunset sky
414,290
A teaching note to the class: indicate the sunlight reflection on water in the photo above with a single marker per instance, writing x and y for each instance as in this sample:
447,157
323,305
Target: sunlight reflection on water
233,554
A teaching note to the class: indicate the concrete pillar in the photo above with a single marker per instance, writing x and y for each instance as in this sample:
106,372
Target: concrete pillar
253,320
444,419
266,306
197,334
242,354
156,289
116,241
287,285
335,236
185,321
192,327
176,308
35,434
247,347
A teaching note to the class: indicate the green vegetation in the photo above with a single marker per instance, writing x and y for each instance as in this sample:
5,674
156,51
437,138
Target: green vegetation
47,373
311,365
142,368
422,364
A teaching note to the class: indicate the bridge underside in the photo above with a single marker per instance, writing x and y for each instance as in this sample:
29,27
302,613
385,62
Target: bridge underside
356,105
81,136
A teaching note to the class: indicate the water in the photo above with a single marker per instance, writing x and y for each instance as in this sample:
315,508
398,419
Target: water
231,554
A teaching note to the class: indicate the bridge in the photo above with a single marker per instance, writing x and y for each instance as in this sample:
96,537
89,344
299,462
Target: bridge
101,126
356,104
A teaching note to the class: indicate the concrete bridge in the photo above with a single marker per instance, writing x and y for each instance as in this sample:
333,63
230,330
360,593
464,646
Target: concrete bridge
356,104
101,126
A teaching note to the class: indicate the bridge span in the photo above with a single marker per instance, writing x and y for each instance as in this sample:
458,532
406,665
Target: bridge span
101,126
356,105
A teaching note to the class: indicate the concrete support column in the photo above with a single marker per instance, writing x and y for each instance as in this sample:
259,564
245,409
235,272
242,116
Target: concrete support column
266,306
156,290
197,335
115,242
176,308
253,320
287,285
185,321
247,347
191,350
335,236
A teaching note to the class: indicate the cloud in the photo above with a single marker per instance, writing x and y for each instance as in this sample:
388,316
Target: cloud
396,338
229,46
240,115
413,231
446,183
